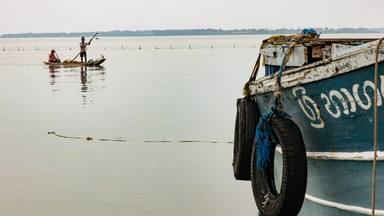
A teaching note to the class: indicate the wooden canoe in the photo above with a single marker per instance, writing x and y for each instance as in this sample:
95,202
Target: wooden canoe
97,62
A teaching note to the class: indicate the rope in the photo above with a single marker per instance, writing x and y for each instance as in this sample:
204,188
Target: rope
278,75
263,130
253,76
255,68
375,129
306,34
263,134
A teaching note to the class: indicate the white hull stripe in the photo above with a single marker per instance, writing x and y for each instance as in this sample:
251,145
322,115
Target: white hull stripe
356,209
356,156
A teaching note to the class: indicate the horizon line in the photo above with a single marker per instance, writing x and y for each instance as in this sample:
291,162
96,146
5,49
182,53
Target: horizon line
198,31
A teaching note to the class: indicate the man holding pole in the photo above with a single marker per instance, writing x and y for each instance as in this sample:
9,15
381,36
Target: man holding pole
83,52
83,45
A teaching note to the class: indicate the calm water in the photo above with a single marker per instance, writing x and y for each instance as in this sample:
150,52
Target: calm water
173,89
149,100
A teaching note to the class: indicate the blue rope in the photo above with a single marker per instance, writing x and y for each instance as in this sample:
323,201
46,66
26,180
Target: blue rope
263,134
281,69
263,129
282,66
309,31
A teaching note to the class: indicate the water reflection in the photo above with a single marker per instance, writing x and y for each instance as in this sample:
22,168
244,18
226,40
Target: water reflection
65,79
83,74
52,74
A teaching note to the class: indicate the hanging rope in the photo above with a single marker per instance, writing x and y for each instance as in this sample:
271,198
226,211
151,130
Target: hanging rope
255,70
278,75
375,129
306,34
263,130
252,77
263,134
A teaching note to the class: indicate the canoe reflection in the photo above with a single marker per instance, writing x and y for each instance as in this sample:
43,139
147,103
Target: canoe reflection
65,80
84,87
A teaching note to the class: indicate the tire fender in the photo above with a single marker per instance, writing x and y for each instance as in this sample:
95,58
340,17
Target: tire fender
247,118
290,198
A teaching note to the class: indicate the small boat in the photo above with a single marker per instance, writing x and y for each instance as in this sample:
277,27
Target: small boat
314,112
68,62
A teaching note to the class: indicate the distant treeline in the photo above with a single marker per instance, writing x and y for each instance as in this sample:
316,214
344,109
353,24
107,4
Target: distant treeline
185,32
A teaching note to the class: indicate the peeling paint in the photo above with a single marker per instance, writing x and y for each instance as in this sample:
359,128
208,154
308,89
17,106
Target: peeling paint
358,156
318,70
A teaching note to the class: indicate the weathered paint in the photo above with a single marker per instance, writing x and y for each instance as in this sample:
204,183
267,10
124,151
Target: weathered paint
352,156
340,50
332,103
274,55
319,70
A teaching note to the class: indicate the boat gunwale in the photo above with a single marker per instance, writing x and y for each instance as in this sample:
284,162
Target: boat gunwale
97,62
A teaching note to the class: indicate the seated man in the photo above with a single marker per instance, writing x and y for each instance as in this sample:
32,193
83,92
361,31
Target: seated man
53,58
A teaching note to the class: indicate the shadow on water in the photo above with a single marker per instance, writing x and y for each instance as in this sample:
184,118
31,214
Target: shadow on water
64,78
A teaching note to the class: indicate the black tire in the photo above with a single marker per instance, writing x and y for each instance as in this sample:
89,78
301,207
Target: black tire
290,198
247,118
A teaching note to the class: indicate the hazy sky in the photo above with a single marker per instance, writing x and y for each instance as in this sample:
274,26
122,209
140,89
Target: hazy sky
19,16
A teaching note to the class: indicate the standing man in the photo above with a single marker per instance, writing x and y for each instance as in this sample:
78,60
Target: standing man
83,45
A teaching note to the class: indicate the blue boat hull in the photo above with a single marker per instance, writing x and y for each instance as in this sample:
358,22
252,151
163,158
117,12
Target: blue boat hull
336,116
346,183
351,132
339,187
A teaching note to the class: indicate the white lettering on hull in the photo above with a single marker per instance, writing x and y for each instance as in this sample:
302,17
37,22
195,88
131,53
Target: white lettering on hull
338,102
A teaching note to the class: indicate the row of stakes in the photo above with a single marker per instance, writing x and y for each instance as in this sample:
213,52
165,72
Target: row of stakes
122,48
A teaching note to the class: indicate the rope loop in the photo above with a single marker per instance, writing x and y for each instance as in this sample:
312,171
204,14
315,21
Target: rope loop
263,137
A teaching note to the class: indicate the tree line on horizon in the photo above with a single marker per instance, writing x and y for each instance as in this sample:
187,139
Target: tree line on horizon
193,32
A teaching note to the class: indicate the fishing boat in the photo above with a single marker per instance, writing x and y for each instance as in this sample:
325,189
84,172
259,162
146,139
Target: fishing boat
91,62
309,127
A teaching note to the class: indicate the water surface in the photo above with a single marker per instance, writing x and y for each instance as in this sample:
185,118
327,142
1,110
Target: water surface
154,101
146,134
